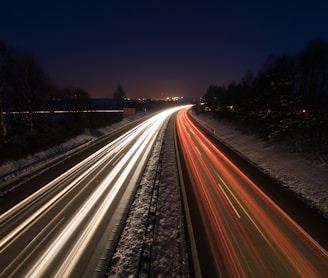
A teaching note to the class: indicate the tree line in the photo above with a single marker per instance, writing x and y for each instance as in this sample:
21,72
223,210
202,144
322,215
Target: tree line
24,86
286,100
26,89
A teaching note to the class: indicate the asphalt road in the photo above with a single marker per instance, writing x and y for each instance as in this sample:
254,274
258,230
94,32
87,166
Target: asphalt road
239,230
70,225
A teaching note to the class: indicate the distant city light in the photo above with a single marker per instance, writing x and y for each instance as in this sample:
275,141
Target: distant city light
174,98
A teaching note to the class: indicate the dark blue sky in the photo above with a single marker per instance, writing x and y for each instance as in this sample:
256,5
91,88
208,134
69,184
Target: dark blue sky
156,48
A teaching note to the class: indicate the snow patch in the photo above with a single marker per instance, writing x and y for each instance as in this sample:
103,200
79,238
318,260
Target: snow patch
169,252
308,179
14,168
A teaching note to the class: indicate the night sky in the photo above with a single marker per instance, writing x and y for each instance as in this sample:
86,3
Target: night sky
158,48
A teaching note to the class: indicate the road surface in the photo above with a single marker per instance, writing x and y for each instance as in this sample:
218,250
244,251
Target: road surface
239,230
70,226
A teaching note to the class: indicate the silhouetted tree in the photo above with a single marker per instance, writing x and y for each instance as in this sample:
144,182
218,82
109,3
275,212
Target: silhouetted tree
4,57
119,96
313,88
287,99
30,86
313,75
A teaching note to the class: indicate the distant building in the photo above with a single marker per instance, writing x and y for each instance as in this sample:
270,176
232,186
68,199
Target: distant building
129,111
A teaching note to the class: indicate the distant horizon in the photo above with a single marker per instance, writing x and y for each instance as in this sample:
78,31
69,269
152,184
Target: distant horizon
160,49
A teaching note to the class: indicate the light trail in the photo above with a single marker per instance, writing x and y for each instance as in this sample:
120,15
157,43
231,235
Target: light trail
117,166
128,163
63,111
248,234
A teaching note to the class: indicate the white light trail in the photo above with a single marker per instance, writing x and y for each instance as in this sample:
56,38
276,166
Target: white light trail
143,136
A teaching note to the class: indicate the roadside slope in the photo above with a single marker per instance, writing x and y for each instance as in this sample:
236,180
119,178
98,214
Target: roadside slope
307,179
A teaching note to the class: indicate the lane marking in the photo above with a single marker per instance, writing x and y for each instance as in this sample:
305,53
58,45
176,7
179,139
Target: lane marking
198,151
231,204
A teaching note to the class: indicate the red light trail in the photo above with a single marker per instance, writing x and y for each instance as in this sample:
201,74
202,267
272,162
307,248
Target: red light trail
248,234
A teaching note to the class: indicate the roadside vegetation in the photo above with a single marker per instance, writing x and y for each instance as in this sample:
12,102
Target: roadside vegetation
286,101
28,101
35,114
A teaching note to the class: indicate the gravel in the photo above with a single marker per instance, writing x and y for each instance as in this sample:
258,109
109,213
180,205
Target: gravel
169,257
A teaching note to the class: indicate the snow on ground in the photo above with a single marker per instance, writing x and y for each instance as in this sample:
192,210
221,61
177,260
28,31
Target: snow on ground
305,177
125,261
169,252
170,259
169,255
13,168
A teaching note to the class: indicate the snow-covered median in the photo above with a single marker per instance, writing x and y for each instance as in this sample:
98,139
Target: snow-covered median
168,245
169,256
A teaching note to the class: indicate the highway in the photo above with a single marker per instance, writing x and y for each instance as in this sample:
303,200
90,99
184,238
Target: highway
239,231
69,227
